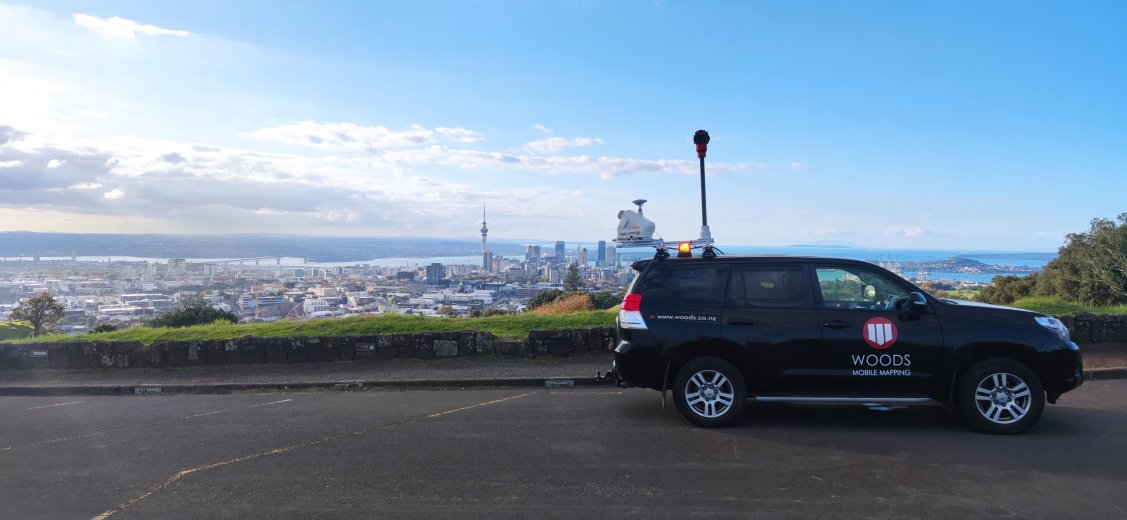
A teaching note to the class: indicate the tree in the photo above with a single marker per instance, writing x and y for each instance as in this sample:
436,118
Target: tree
573,282
1090,268
1004,290
40,311
193,311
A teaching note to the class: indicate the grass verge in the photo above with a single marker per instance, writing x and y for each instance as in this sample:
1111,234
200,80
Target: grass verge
513,326
1055,306
14,330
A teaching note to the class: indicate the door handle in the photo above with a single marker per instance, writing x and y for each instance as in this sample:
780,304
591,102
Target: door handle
836,324
741,323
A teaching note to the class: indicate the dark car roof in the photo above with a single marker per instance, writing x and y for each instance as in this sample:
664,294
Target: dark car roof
641,264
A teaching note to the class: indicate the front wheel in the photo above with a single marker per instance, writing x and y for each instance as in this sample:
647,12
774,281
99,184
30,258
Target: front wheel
709,392
1001,396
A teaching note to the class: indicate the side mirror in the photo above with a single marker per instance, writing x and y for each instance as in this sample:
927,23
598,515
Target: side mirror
917,302
869,293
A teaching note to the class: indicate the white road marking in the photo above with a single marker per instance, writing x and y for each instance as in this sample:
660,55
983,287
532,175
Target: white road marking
273,402
54,405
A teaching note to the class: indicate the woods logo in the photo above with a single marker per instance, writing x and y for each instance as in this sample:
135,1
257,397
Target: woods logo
880,333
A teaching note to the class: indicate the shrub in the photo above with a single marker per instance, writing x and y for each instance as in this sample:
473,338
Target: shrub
486,313
574,302
193,312
544,298
605,300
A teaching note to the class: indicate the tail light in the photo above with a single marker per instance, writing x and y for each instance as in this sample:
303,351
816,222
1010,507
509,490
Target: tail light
630,315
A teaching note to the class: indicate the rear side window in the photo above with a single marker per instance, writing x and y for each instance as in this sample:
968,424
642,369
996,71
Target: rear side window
672,286
768,286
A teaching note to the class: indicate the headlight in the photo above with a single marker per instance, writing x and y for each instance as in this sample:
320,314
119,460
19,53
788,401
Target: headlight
1054,325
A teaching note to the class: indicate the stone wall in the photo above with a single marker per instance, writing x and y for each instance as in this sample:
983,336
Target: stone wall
1088,329
249,349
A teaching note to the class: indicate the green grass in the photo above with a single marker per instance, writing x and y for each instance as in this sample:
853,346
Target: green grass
514,326
1055,306
14,330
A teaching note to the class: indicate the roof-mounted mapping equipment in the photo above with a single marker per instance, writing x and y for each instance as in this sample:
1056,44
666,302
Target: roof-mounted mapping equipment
635,230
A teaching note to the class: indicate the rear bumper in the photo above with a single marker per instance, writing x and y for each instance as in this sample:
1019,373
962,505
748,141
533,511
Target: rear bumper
637,366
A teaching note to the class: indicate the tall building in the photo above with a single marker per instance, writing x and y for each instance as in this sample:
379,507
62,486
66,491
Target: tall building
612,256
435,272
485,261
561,252
601,256
583,257
532,254
177,266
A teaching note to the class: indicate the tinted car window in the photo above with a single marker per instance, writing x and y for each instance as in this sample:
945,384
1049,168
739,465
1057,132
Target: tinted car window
768,286
680,285
855,288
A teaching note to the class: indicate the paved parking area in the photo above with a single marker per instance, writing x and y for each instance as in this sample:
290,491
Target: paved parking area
566,453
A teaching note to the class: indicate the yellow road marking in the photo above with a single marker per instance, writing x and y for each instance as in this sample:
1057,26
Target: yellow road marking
464,408
244,458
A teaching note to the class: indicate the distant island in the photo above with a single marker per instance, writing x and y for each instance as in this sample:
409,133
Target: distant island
962,264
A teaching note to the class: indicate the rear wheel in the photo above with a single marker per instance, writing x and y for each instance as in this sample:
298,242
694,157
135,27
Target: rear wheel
709,392
1001,396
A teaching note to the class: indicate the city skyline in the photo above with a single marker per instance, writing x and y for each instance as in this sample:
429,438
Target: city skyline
961,125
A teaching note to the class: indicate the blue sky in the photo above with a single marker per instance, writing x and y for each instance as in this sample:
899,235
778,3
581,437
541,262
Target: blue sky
965,125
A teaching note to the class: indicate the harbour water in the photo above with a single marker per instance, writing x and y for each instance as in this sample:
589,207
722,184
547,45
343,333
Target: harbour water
887,257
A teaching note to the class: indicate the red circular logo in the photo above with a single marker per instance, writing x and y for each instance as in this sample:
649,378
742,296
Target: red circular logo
879,333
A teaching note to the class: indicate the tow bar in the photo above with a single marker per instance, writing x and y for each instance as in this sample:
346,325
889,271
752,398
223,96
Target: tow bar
611,376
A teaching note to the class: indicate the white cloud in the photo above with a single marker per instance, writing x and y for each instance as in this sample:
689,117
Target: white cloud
11,164
114,194
605,167
460,135
55,163
555,144
121,28
356,138
86,186
92,114
543,128
907,232
824,231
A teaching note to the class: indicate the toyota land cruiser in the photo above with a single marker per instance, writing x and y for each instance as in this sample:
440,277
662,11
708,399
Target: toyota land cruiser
718,330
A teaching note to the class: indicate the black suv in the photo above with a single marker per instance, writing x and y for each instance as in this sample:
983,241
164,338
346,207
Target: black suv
718,330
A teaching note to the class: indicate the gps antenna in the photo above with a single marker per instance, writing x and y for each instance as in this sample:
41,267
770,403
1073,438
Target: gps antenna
700,138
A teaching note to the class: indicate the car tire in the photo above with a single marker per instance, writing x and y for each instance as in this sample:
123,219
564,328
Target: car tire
1001,396
709,392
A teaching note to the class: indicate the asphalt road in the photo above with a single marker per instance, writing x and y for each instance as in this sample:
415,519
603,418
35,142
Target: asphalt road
569,453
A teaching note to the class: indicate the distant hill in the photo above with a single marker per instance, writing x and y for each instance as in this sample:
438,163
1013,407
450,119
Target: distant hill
313,248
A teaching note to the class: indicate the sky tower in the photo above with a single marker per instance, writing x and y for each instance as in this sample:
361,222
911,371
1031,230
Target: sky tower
484,231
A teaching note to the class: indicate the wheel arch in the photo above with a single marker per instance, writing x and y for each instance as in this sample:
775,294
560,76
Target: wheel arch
968,355
726,350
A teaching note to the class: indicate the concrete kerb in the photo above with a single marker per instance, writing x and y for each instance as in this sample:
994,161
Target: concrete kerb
1104,374
1097,374
232,388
